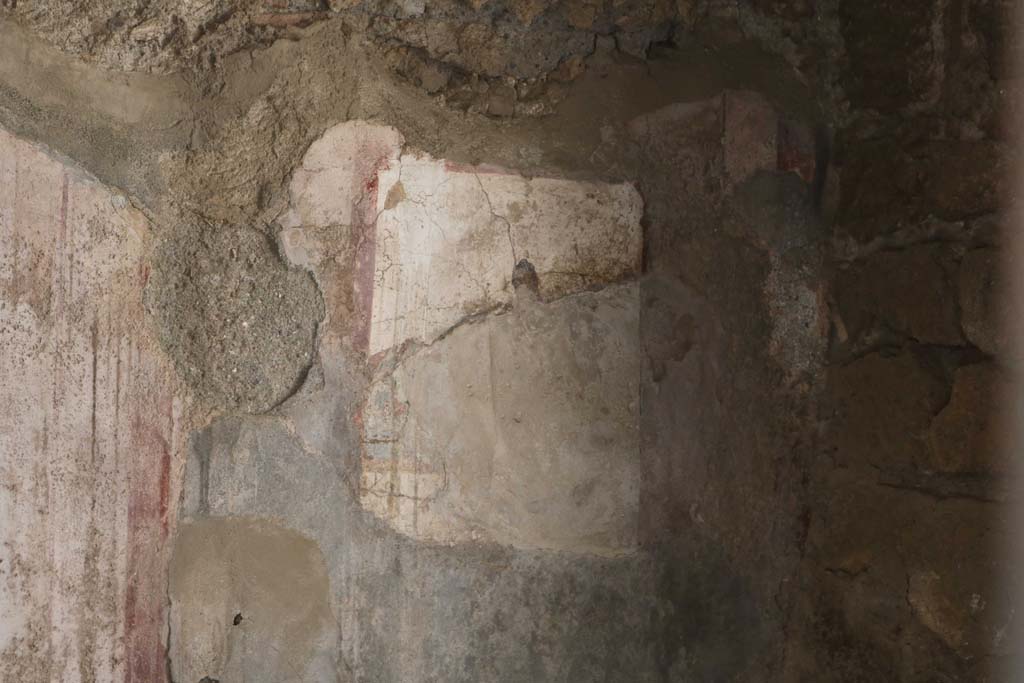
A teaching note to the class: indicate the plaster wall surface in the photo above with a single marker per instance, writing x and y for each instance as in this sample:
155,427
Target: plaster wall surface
92,430
505,341
482,390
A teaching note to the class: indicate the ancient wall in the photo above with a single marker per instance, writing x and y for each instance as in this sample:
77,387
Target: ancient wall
911,486
500,340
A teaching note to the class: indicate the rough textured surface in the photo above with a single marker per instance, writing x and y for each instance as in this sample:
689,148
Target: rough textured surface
910,498
237,322
983,316
796,207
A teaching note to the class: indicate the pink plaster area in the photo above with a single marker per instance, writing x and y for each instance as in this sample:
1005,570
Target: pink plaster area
91,435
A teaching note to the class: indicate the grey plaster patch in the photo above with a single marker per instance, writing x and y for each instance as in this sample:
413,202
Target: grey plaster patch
237,321
414,611
250,602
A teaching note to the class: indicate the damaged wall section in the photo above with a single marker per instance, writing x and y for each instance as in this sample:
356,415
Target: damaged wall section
480,393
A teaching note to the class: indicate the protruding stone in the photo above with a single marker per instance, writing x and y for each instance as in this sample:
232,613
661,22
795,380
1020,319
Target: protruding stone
966,436
883,408
906,292
979,301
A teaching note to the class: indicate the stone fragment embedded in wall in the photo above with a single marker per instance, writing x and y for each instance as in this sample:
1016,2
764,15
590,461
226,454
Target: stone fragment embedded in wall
91,431
904,292
938,588
929,595
883,408
887,185
548,378
981,316
895,60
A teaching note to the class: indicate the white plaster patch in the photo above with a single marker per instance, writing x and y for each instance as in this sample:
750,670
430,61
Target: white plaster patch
338,175
449,237
90,432
506,420
437,241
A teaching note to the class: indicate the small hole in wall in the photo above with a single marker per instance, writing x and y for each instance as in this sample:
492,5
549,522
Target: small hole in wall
237,620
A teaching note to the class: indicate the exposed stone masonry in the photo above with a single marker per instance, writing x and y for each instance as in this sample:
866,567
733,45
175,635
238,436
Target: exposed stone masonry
503,340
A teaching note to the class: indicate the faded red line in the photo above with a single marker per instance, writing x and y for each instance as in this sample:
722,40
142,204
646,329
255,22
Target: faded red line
366,253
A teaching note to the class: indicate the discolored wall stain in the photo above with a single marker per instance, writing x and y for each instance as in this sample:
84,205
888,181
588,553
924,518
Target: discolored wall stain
250,601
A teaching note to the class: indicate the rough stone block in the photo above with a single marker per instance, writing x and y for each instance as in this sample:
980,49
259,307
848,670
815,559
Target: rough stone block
964,178
888,184
786,9
906,292
932,598
546,372
751,135
966,436
883,408
893,60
